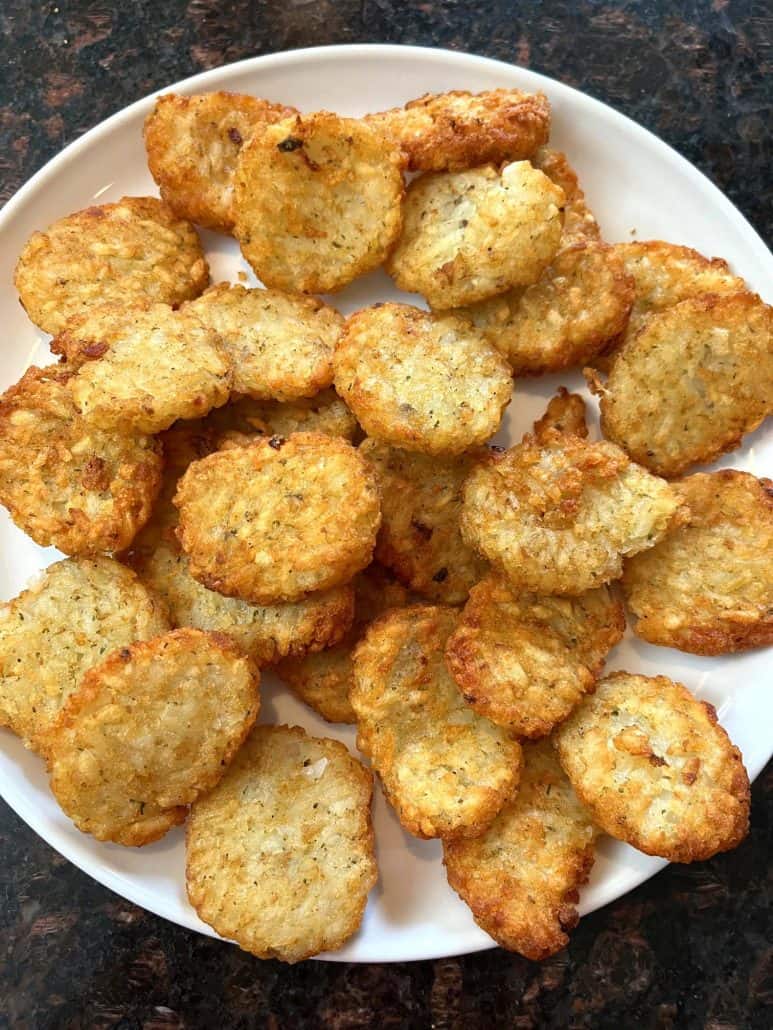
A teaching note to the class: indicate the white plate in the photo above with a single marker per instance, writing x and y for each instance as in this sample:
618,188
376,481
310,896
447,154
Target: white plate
636,185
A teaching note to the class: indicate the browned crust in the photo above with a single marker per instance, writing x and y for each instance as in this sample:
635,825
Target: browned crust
137,473
435,134
565,413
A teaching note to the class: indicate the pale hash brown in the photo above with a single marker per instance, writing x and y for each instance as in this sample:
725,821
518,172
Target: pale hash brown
324,679
655,769
579,222
526,660
577,306
420,539
66,482
707,588
473,234
266,633
66,621
420,381
153,726
136,250
691,383
324,413
665,274
143,367
445,769
280,345
280,518
521,877
442,132
557,514
317,202
193,144
565,413
280,854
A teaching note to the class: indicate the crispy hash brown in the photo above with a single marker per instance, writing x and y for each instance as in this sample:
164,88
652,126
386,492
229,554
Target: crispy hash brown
420,539
152,727
280,854
280,518
280,345
442,132
143,367
132,251
694,379
323,413
520,877
655,769
265,632
419,381
446,770
565,413
580,302
471,235
579,222
317,202
526,660
557,514
324,679
707,587
193,144
68,483
76,612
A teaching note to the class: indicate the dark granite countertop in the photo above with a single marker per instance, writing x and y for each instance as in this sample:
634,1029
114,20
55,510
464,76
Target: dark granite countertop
691,948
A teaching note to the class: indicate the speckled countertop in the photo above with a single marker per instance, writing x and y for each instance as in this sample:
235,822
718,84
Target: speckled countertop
691,948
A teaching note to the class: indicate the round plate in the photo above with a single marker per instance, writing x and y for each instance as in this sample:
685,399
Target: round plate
638,188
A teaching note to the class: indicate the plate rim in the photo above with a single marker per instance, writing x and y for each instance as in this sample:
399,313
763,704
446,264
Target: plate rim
128,888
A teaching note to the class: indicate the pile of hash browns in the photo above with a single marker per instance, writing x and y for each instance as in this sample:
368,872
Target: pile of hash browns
242,479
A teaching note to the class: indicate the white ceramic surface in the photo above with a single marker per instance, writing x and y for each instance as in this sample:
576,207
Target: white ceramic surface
639,188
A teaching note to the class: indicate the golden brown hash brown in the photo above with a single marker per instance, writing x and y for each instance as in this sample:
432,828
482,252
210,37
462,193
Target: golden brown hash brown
64,481
323,413
75,612
135,250
280,854
471,235
693,380
565,413
446,770
142,367
526,660
655,769
265,632
420,539
193,144
665,274
521,877
419,381
317,202
707,587
579,222
442,132
148,730
579,303
280,345
280,518
324,679
557,514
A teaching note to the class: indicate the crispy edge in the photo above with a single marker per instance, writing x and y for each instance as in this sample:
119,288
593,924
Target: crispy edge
517,124
496,908
565,413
